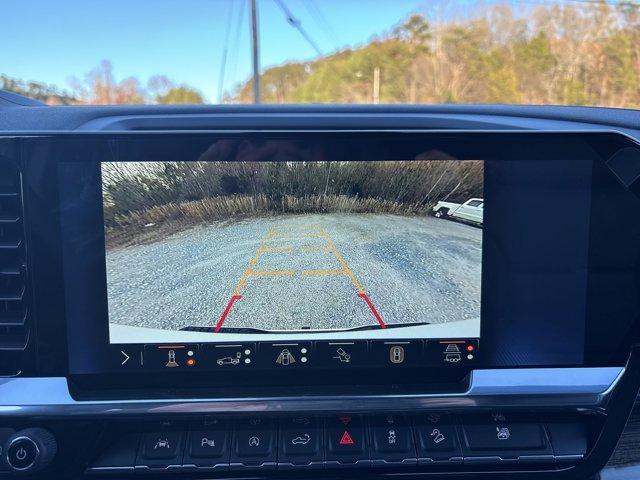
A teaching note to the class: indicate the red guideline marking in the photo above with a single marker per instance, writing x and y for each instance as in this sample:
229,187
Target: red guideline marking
366,298
234,298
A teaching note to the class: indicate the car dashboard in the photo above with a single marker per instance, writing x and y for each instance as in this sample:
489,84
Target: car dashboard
319,292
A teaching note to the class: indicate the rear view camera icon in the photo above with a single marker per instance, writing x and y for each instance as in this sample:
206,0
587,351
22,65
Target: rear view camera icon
452,353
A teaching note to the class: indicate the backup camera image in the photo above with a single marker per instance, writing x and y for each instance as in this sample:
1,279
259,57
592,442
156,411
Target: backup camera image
219,251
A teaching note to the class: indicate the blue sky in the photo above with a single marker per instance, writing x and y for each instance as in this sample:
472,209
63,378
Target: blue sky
54,40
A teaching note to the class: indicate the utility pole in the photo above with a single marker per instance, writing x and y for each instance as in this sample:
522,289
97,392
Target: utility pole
376,85
254,49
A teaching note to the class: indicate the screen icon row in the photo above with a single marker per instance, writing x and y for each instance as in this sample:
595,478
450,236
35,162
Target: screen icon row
298,355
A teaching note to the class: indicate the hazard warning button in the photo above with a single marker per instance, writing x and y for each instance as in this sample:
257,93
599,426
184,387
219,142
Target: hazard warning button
346,440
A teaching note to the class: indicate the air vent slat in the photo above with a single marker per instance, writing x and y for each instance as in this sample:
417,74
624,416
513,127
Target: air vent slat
14,325
13,338
8,270
11,244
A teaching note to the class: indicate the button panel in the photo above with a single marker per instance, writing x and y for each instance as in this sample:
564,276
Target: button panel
293,355
343,440
505,438
437,439
301,443
392,441
208,445
346,441
254,444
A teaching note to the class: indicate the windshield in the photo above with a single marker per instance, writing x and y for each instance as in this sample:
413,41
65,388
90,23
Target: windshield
580,52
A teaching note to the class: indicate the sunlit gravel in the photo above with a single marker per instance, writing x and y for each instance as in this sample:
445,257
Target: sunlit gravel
414,269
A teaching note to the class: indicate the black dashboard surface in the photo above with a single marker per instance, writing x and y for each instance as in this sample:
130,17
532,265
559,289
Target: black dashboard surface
127,118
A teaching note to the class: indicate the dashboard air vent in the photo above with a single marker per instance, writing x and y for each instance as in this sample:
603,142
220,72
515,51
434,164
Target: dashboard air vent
14,330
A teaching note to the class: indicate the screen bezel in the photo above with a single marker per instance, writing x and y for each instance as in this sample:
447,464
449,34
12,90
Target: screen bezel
41,154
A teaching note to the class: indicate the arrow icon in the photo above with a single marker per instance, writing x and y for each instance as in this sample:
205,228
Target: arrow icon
126,357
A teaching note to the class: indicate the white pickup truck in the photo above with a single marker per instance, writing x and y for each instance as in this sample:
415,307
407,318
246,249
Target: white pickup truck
469,211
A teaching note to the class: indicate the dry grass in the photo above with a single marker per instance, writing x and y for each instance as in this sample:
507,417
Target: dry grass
155,223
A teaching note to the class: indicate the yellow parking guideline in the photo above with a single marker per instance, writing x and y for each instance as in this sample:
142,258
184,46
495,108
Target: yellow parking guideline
323,272
249,271
276,232
343,262
274,273
268,249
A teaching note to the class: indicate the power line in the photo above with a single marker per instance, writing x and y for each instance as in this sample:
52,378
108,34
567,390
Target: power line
321,20
235,46
295,23
225,51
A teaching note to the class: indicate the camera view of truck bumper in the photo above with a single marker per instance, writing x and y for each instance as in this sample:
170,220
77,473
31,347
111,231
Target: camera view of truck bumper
470,211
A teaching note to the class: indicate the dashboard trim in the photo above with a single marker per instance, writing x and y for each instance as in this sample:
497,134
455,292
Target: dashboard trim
519,388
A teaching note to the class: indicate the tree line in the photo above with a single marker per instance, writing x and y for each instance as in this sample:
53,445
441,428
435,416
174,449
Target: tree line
138,195
564,54
585,53
100,87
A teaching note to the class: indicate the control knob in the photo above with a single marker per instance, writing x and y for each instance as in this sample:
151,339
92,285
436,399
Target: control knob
30,450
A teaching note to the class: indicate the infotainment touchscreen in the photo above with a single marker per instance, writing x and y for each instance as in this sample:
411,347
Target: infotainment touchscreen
241,253
251,251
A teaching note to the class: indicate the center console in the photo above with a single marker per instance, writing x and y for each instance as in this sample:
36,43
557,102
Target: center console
294,303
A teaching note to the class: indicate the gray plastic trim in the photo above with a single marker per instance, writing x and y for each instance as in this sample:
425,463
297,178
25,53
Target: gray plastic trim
517,388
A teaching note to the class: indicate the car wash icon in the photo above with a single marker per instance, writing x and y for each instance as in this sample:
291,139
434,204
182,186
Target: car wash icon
172,359
285,358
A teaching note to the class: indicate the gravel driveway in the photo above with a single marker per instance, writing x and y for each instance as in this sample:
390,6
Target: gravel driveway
300,271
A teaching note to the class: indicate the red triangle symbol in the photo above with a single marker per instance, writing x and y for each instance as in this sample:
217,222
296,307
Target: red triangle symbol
345,420
346,439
